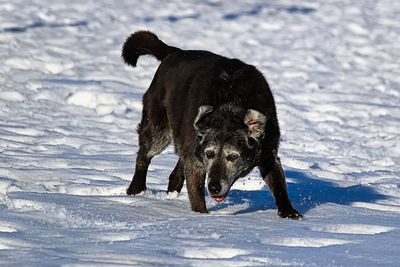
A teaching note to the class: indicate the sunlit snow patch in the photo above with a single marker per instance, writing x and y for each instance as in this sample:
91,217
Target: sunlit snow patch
306,242
212,253
7,229
356,229
12,96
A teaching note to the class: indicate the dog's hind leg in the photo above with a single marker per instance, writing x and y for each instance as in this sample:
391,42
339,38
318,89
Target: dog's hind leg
154,137
176,178
275,180
138,183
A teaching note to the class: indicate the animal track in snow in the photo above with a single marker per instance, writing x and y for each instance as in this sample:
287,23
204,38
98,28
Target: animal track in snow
356,229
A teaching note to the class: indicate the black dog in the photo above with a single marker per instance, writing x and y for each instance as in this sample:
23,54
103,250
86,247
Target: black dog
219,113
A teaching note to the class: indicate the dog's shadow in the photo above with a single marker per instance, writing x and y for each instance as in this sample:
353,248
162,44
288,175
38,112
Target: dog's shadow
305,193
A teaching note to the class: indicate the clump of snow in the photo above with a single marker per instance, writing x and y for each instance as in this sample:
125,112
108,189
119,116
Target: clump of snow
11,96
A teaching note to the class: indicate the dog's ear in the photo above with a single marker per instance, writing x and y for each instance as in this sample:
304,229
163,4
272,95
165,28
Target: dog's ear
202,113
256,123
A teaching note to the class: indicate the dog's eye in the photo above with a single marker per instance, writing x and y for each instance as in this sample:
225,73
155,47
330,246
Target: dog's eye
210,154
199,138
232,157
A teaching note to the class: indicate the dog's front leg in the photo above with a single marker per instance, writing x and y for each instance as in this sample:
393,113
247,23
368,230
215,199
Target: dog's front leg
275,180
195,181
177,178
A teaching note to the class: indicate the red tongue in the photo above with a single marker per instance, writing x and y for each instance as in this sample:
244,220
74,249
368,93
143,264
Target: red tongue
218,199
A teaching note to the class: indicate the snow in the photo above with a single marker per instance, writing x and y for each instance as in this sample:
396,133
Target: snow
69,108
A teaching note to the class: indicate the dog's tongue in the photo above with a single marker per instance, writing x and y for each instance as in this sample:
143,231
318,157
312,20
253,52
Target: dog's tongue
218,199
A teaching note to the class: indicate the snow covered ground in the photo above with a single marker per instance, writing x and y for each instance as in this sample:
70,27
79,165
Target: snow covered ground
69,108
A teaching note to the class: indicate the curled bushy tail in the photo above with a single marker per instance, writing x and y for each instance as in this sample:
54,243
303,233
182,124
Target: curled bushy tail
144,43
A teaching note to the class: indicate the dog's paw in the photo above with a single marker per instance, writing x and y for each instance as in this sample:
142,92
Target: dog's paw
132,190
201,211
291,214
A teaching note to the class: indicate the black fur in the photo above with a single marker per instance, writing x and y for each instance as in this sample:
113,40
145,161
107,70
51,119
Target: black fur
219,113
144,43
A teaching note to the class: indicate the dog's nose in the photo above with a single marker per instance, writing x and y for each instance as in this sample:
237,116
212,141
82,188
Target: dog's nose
214,187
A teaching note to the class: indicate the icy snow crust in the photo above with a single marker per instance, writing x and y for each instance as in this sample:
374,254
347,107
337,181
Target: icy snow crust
69,108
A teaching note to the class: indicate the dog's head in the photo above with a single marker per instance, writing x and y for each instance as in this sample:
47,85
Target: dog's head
229,145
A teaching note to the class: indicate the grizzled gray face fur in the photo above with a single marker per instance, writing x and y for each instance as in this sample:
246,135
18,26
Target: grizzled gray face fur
229,145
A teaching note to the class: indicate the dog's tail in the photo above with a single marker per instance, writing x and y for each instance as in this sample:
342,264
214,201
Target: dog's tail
144,43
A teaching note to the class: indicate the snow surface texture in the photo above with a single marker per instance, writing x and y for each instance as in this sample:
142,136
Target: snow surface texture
69,108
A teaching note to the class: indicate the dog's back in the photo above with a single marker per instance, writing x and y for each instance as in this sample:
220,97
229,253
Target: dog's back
187,79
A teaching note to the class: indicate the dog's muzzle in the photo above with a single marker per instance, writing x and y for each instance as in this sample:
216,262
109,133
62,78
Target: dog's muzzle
217,191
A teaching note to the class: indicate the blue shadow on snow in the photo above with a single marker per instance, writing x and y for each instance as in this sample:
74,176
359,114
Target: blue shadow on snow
40,24
305,194
258,8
